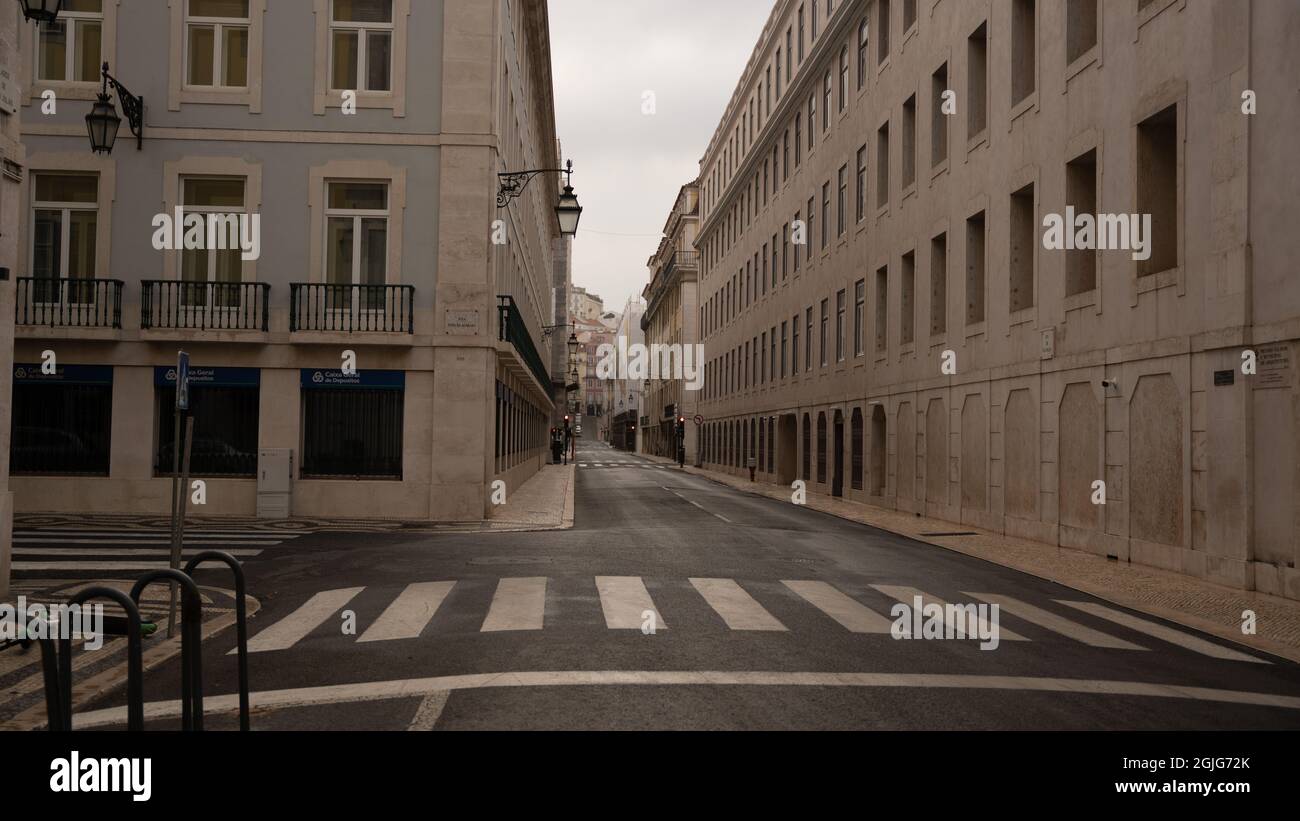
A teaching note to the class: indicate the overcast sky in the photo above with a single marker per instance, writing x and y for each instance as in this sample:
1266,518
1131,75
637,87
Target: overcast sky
628,166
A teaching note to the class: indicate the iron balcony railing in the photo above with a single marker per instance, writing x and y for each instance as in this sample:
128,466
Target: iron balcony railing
219,306
352,308
515,331
69,303
687,260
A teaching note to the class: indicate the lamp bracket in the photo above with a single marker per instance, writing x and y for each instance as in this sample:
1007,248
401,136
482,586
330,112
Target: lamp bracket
513,183
132,106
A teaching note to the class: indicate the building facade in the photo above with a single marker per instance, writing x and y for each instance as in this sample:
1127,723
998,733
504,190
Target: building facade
383,350
885,322
672,319
12,241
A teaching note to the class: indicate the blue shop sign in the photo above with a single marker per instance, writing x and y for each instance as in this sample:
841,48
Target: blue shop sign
64,374
317,378
165,377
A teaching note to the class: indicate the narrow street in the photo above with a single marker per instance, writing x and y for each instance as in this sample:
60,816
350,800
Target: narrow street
766,616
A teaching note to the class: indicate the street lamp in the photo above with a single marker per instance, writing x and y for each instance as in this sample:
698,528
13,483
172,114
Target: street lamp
102,122
567,210
42,11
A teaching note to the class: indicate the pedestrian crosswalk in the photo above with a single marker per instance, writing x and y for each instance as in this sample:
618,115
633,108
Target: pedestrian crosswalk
627,603
75,553
645,465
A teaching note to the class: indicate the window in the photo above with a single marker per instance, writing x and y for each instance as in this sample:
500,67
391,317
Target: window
826,214
785,339
778,72
1157,188
356,432
909,14
812,121
1080,28
859,316
814,22
785,252
356,241
794,349
844,77
909,142
1023,46
821,448
882,308
1081,195
225,428
807,448
361,45
808,327
856,440
939,285
772,354
860,210
1023,242
938,120
798,139
826,100
796,248
205,197
882,166
801,33
65,220
764,274
842,202
975,269
841,331
812,224
62,424
862,53
977,82
760,358
70,49
774,240
789,54
216,43
825,327
907,300
785,157
882,31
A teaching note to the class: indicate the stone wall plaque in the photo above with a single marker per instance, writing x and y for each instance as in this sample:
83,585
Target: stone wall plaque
1273,366
462,323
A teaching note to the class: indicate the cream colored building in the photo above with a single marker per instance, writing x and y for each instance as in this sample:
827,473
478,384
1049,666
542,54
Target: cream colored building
368,136
672,318
924,248
12,233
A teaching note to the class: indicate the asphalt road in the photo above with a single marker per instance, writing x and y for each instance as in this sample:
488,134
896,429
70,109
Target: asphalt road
766,616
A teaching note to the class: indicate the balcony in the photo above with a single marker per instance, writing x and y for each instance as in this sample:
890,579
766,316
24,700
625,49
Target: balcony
351,309
686,260
205,306
69,303
515,331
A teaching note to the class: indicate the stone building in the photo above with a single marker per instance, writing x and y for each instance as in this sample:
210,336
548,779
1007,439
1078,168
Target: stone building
367,136
884,320
12,241
672,319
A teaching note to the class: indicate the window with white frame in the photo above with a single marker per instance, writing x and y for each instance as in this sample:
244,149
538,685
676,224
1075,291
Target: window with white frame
361,45
65,218
216,43
220,200
71,48
356,241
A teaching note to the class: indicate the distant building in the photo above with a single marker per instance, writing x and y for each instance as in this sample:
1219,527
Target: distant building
13,243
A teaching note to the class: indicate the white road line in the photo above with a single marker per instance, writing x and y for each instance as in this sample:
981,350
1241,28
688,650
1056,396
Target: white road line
518,604
95,566
154,534
409,613
110,550
1055,623
188,541
697,504
849,612
294,627
736,607
228,704
624,599
429,712
1161,632
907,595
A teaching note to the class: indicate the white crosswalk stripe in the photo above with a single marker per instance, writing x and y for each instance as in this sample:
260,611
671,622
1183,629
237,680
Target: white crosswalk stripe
1161,632
294,627
736,607
908,596
1055,623
91,552
409,613
624,601
850,613
519,604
